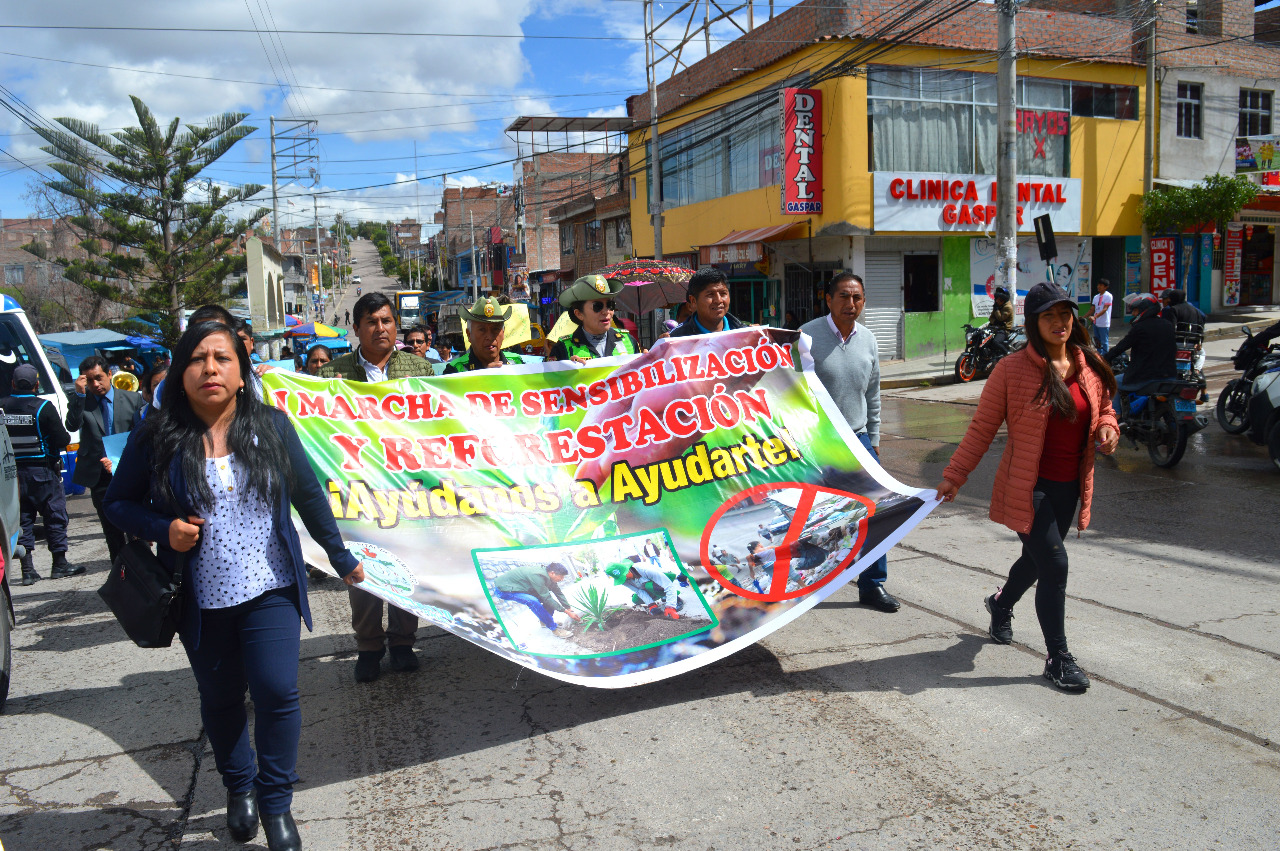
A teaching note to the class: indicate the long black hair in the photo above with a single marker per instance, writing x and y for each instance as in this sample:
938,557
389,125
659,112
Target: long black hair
176,431
1052,388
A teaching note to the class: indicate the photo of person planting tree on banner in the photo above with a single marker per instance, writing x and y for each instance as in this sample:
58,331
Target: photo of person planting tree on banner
607,523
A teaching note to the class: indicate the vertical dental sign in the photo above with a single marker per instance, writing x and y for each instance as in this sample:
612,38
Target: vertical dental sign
801,151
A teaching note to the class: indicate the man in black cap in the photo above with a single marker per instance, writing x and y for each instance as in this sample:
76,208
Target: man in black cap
590,305
38,440
486,328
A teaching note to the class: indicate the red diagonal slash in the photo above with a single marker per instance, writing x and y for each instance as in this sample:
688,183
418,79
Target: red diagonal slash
782,553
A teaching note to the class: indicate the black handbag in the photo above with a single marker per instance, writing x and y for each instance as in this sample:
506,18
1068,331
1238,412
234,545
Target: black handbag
144,596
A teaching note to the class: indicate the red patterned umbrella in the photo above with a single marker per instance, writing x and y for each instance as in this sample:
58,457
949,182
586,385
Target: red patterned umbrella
649,284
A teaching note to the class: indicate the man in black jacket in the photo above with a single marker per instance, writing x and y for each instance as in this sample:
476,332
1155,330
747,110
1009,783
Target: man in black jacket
1179,311
98,410
38,440
1150,341
708,297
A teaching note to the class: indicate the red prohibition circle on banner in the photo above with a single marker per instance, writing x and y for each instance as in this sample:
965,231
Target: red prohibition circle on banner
782,563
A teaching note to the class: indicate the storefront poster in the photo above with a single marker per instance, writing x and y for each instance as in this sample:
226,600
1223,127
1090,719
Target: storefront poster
1231,257
717,470
1072,271
956,203
1258,153
1164,253
801,151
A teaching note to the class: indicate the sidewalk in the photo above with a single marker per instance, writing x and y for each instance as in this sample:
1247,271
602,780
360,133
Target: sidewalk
940,368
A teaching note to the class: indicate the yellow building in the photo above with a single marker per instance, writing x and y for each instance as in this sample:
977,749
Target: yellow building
905,170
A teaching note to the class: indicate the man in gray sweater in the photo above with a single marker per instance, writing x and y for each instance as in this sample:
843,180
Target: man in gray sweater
848,364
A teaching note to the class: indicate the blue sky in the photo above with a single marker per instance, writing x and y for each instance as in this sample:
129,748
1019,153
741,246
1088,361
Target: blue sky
374,96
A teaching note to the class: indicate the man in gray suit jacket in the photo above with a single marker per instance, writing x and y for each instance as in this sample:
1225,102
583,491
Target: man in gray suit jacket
98,410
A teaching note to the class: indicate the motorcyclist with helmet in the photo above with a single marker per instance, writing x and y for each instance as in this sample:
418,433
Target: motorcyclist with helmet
1001,320
1151,344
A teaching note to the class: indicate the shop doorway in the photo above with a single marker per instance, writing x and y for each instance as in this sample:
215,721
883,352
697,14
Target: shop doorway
883,314
1257,265
806,289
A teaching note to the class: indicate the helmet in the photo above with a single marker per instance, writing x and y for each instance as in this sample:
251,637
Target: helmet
1001,291
1140,301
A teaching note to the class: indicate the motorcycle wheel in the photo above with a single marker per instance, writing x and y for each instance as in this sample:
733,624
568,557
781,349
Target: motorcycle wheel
1168,441
1273,444
966,367
1233,405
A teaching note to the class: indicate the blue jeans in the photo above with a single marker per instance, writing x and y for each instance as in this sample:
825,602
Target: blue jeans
1102,336
534,604
253,645
875,575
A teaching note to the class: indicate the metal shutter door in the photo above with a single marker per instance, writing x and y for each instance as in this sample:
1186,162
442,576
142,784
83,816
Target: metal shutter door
883,314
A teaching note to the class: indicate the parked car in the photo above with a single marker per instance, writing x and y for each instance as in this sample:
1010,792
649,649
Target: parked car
10,553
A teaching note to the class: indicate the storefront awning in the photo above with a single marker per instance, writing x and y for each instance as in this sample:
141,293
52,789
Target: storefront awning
756,234
743,246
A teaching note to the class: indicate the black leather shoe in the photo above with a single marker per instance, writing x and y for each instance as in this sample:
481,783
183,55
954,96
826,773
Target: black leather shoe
242,815
878,598
61,569
403,659
368,665
282,833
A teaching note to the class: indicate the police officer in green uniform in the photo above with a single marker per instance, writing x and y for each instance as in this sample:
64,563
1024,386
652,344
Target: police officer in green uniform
486,326
590,305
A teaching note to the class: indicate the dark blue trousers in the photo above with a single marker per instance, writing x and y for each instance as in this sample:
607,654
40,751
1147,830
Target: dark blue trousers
252,646
40,492
875,575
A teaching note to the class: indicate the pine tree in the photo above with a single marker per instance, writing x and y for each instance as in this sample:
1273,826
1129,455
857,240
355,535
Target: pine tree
156,237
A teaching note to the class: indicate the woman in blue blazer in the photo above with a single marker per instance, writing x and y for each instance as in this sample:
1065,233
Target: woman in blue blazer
211,476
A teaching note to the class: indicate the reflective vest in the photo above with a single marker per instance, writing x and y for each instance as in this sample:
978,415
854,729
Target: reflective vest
617,343
466,363
22,419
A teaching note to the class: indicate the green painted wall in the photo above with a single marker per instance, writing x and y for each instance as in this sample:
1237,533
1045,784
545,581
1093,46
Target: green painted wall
943,330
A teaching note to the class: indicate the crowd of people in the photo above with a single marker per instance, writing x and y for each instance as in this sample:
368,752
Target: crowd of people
210,473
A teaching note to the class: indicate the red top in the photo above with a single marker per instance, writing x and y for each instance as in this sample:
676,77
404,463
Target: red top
1064,439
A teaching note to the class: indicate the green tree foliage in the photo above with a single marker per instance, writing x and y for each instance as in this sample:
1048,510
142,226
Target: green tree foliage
1213,202
156,237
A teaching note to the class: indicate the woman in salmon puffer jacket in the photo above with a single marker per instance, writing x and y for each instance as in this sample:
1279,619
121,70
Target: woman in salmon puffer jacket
1055,394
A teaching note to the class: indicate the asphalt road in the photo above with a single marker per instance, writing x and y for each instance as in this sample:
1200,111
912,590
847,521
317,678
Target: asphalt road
846,729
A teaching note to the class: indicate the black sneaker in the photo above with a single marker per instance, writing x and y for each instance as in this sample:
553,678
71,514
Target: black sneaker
1061,669
368,665
1001,629
403,659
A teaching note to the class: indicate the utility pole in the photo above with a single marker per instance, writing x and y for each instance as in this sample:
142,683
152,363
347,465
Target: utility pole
655,166
475,269
275,192
1007,152
1149,138
315,210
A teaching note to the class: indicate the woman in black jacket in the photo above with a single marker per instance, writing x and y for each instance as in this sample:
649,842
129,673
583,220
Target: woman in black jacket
211,476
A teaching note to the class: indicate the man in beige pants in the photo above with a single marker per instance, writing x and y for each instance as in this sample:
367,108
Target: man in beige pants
378,359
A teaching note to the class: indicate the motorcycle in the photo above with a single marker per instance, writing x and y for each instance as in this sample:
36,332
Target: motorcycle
1233,401
983,350
1161,415
1264,412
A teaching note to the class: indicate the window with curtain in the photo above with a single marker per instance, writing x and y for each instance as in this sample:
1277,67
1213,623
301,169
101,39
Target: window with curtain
930,120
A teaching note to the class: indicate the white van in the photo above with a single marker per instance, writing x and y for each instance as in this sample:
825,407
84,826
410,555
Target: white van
19,344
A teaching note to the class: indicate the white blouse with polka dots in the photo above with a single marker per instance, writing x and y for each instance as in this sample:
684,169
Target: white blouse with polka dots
239,556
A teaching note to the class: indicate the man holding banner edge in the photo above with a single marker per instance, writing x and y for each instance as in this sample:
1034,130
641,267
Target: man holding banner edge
377,359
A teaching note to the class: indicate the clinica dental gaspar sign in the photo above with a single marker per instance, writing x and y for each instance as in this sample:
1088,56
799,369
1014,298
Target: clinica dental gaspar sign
611,524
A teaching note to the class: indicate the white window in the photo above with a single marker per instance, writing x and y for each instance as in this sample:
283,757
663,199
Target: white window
1255,113
1190,110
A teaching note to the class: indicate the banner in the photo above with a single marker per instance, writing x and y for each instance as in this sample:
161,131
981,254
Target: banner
1164,275
952,203
801,151
1232,256
682,504
1072,270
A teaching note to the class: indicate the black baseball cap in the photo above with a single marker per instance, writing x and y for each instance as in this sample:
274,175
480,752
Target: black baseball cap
25,377
1043,296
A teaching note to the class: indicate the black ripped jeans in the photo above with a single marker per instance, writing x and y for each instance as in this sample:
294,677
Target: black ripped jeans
1044,560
